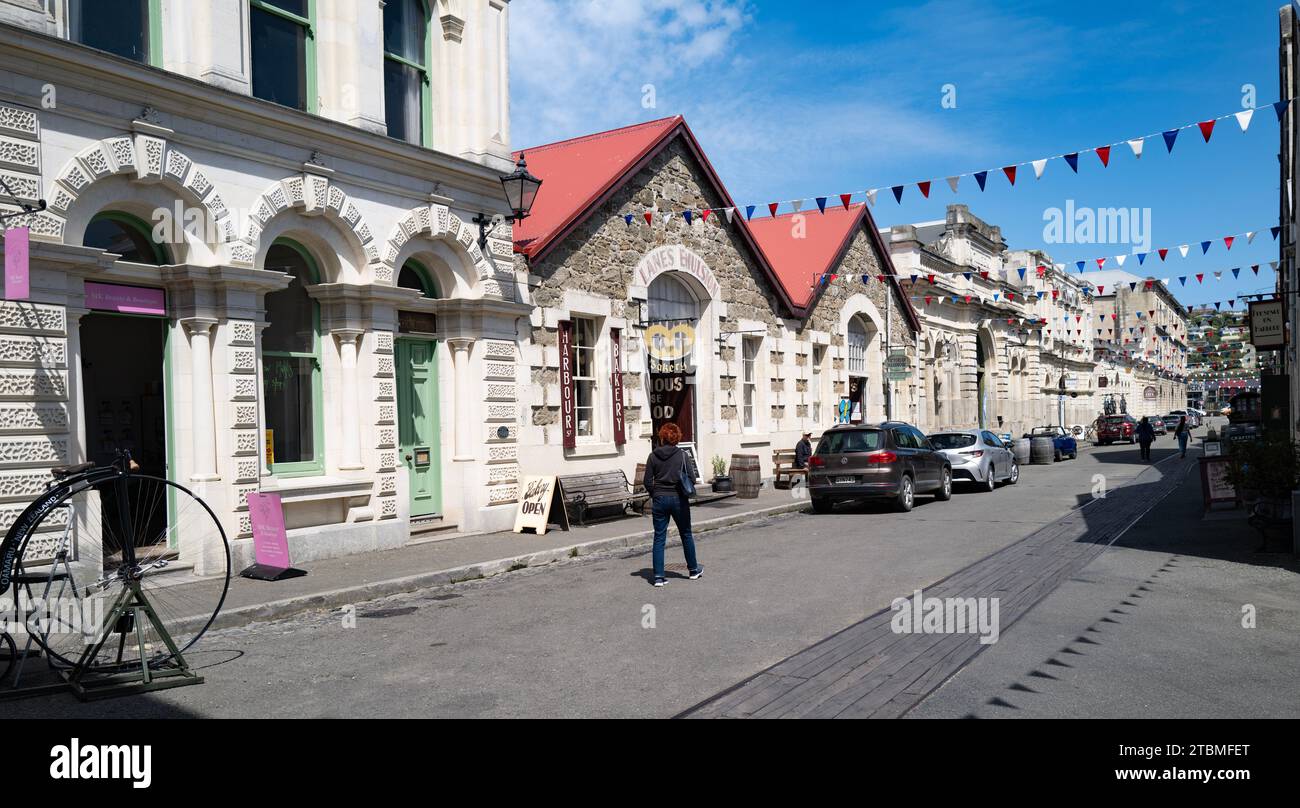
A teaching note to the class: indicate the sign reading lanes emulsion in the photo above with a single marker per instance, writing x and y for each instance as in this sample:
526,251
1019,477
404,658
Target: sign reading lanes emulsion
1267,324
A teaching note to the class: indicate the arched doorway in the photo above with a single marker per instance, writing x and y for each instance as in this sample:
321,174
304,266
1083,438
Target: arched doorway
418,419
672,322
986,365
862,352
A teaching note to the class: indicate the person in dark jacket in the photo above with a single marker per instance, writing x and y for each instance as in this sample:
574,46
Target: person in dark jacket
1183,432
663,480
803,451
1146,434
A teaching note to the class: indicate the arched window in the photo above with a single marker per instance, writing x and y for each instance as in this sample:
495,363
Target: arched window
124,235
291,365
127,28
671,300
415,276
407,96
857,345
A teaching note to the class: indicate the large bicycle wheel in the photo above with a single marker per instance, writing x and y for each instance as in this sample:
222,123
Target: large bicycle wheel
136,542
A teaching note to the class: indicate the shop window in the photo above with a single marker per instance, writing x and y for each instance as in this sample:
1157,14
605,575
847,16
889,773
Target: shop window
857,344
415,276
584,376
818,357
127,28
749,380
283,52
126,236
291,366
407,92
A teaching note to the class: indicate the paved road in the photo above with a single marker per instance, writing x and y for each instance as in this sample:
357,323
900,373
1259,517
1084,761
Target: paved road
571,640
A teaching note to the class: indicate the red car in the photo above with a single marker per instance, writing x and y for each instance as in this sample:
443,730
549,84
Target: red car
1112,428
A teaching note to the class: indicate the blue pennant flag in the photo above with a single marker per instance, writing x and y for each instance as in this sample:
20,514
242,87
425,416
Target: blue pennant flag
1142,257
628,218
1170,137
1073,160
1040,295
749,212
687,215
967,274
1280,108
1022,273
1080,265
866,278
913,278
1205,247
1236,271
1182,280
1132,287
980,177
821,204
825,277
898,193
1275,231
995,295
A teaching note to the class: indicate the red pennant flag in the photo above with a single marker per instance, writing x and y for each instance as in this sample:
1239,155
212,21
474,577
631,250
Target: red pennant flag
1200,276
1055,293
967,298
882,278
704,214
984,275
930,278
1150,284
844,199
1010,171
1114,316
925,188
1163,252
649,217
1207,127
1228,241
1101,290
1151,312
927,300
1104,153
833,276
772,208
1011,296
1101,262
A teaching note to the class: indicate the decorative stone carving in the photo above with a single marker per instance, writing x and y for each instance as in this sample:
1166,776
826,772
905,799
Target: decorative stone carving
28,317
33,418
39,383
44,351
19,122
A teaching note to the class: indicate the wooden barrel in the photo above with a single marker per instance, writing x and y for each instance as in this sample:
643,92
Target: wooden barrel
1020,448
747,475
1042,451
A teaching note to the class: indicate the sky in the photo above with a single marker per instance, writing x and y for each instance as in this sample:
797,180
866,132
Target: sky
794,100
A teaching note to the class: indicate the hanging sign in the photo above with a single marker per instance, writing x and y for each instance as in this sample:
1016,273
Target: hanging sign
567,420
17,264
672,398
897,366
1267,324
616,384
670,347
536,502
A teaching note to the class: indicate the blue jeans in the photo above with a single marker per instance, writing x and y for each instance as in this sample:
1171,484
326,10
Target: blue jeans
679,508
1182,442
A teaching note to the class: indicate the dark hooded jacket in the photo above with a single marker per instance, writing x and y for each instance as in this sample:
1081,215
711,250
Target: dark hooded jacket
663,471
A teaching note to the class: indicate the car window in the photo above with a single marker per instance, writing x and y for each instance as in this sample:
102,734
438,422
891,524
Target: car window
922,442
1043,432
952,440
849,441
991,439
905,440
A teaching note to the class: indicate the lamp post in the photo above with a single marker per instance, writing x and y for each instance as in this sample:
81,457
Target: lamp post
521,191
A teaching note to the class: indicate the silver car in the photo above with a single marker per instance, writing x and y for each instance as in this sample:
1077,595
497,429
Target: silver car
977,456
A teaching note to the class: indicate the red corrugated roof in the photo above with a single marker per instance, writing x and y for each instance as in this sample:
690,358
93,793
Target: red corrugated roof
577,173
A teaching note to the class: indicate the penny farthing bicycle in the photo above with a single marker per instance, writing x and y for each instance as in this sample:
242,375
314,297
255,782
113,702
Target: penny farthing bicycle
114,572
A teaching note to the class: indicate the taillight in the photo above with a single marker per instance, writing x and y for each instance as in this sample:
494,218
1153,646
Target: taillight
881,457
816,462
976,453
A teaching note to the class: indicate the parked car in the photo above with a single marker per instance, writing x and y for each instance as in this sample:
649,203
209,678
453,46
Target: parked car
1063,443
978,457
1116,428
1195,417
890,460
1157,424
1171,420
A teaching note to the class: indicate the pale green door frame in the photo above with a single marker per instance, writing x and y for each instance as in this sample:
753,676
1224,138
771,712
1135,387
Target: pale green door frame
418,424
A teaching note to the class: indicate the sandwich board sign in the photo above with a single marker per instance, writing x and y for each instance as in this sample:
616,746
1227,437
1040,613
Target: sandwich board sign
538,499
270,540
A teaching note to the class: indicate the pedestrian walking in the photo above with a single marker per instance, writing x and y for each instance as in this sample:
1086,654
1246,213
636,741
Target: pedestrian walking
1182,432
803,451
666,479
1146,434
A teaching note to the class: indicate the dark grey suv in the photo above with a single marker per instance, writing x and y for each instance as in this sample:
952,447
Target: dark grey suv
891,460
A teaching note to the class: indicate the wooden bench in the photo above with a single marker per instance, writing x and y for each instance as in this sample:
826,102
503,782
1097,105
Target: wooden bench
783,466
607,489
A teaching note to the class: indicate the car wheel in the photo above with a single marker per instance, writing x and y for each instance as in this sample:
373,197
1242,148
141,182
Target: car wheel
1056,455
1014,476
945,486
906,494
1074,455
991,478
822,505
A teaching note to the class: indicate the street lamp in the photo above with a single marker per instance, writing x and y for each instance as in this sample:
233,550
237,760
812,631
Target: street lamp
521,191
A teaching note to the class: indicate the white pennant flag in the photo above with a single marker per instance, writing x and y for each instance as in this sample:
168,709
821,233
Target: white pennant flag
1165,281
729,212
1182,248
796,204
1136,146
668,217
1039,165
1243,118
871,195
952,183
1120,259
1250,236
1273,264
1218,276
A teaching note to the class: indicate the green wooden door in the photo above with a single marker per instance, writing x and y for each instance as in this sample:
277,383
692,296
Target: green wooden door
418,427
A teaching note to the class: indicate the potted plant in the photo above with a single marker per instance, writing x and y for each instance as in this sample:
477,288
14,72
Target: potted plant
721,482
1265,471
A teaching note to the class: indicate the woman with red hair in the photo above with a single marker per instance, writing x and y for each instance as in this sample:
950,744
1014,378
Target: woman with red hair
665,471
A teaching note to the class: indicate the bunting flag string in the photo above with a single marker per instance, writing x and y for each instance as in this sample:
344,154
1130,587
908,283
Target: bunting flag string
1206,128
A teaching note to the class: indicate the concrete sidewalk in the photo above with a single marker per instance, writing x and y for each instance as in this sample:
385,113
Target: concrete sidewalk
331,583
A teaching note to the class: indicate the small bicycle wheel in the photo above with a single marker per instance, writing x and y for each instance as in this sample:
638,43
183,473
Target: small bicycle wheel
139,547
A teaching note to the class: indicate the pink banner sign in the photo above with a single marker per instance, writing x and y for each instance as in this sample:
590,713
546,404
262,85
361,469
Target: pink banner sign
17,267
270,542
125,299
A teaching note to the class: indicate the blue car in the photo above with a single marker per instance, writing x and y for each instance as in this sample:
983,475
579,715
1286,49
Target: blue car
1063,443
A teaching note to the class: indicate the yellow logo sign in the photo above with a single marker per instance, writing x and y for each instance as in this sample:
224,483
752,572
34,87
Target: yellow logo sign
669,344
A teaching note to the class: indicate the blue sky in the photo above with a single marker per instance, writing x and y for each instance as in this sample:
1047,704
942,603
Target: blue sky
816,99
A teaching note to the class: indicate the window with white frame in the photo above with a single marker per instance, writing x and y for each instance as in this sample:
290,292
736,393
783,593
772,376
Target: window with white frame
857,347
584,375
749,379
818,357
